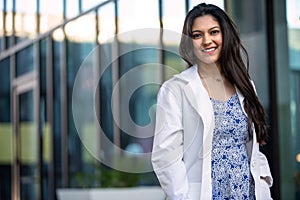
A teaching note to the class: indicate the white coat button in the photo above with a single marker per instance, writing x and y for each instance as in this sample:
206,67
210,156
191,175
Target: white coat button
253,164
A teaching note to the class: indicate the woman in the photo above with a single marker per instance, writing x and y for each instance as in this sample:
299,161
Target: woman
209,121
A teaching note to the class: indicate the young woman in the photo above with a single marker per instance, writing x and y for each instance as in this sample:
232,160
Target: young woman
209,121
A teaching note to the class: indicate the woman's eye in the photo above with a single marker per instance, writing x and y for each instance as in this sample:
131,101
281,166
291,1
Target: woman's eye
196,36
214,32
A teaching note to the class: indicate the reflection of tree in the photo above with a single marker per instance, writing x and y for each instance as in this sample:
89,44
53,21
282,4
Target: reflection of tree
106,177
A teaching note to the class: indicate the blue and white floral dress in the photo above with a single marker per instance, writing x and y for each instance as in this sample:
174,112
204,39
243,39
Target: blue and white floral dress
231,177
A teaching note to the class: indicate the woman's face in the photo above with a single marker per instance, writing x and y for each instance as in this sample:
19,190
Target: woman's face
207,39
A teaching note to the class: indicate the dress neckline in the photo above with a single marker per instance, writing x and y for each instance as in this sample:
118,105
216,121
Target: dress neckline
225,101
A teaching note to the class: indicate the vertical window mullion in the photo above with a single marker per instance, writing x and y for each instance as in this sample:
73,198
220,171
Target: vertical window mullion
115,78
3,44
64,116
161,58
13,38
50,108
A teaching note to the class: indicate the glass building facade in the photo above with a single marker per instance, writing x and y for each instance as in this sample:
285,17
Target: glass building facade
79,79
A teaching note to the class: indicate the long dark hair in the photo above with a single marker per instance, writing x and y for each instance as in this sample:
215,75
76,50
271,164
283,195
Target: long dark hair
231,61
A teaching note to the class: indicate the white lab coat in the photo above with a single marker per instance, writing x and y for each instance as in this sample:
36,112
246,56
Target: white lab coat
181,155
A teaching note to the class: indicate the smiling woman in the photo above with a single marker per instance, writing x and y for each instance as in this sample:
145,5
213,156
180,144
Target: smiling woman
209,115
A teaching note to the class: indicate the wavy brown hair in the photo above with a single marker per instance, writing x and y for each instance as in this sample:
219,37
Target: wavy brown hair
231,61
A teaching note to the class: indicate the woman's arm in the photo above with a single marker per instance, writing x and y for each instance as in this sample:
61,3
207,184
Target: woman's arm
167,153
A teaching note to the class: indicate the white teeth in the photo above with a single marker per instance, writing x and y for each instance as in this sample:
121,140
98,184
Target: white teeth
208,50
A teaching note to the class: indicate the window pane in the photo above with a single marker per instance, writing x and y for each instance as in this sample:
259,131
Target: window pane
51,14
5,131
9,22
219,3
173,15
28,147
1,25
106,23
79,47
292,7
87,4
132,17
25,61
137,77
253,31
82,29
2,28
173,19
72,8
57,109
8,19
25,19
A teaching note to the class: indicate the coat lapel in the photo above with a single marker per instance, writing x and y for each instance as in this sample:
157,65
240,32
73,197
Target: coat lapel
197,95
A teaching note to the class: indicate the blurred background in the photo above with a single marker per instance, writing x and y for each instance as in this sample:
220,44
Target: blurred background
43,44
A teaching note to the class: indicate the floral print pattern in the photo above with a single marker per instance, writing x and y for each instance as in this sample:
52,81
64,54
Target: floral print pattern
231,176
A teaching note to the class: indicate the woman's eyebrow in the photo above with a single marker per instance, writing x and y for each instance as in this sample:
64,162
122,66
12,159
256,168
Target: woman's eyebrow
196,31
208,29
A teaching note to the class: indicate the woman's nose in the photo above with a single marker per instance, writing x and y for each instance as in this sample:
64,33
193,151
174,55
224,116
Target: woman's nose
206,40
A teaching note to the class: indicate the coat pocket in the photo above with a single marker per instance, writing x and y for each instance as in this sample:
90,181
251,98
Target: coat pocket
263,190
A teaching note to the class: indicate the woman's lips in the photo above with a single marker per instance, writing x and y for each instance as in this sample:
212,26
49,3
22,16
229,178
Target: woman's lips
209,50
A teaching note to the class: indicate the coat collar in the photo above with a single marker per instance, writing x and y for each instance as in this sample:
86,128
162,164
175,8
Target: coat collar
197,94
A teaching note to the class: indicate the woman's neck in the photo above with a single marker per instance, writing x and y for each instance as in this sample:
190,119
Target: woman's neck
209,70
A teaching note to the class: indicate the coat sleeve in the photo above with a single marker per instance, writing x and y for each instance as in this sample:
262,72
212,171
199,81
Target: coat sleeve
167,152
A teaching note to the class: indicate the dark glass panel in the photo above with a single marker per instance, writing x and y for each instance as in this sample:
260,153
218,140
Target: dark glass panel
58,58
5,131
25,61
28,147
44,122
292,15
79,47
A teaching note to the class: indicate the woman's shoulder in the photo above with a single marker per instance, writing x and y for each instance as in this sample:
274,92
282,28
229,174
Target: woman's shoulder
182,78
